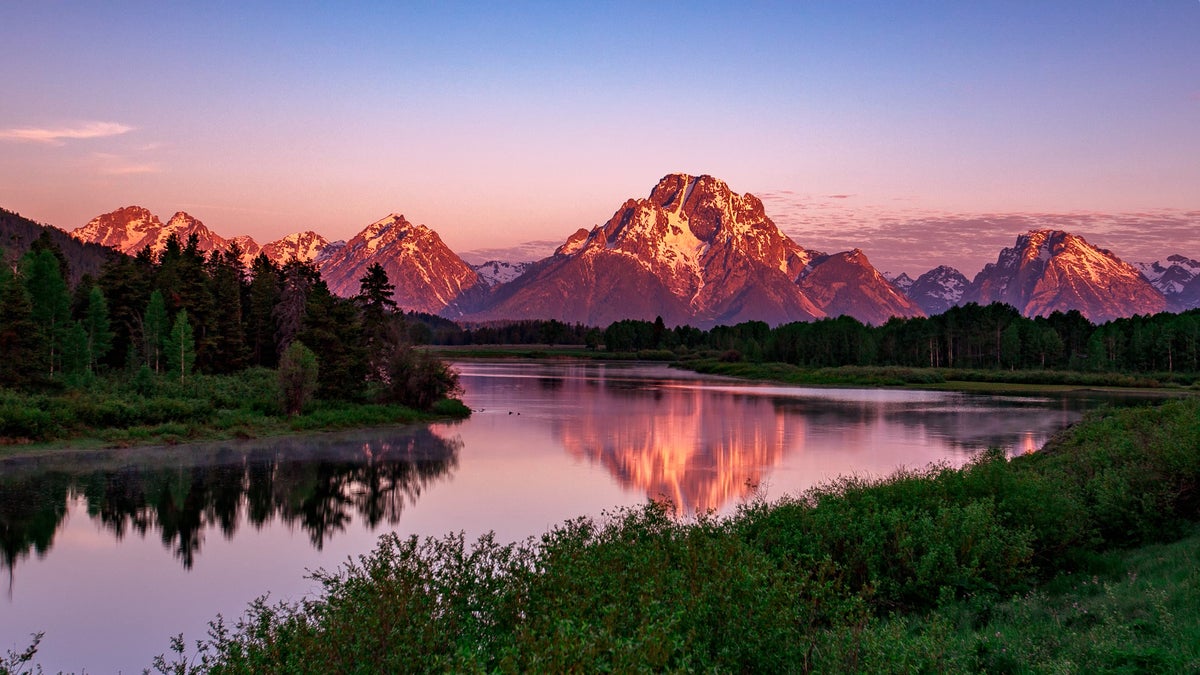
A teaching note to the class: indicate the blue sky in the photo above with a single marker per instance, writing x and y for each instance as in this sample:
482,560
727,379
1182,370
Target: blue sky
497,124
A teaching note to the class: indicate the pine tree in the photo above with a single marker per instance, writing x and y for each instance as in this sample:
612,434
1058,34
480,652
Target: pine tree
154,331
75,357
180,346
228,333
51,305
260,320
18,333
96,325
377,307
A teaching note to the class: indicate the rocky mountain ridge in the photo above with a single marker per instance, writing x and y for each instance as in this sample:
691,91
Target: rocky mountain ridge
694,252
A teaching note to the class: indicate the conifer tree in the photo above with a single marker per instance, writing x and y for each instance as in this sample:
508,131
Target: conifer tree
260,321
75,357
377,306
180,346
50,303
18,334
154,331
96,325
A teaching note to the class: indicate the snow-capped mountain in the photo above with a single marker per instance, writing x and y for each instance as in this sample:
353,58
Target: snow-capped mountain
303,246
428,276
939,289
901,281
692,252
1051,270
1172,279
847,284
132,228
495,272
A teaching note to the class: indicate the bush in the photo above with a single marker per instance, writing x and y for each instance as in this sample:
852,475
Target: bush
416,379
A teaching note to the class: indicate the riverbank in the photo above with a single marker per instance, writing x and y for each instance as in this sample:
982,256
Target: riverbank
113,414
940,379
946,379
1081,557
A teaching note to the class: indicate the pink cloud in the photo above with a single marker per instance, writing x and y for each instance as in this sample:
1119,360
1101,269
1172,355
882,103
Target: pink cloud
60,135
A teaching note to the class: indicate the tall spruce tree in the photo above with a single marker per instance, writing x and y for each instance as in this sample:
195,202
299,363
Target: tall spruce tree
18,333
155,328
377,309
180,346
260,320
50,303
96,325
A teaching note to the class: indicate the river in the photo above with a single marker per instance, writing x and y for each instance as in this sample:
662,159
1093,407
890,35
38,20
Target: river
110,553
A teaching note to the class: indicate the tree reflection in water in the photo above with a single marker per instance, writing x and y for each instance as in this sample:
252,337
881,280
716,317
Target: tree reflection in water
317,483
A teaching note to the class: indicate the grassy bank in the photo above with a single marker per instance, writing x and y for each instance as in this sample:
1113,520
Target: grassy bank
944,378
117,413
1056,562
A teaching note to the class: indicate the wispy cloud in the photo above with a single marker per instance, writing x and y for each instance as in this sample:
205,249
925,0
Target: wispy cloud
58,136
108,164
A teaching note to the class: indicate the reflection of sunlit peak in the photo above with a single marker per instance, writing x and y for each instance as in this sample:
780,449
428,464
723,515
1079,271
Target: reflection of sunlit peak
695,452
1028,445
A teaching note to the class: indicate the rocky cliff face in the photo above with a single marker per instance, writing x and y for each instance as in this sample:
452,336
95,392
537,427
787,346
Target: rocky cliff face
428,276
938,290
846,284
692,252
132,228
1051,270
303,246
1177,279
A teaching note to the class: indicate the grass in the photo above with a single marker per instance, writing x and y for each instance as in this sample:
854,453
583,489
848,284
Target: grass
955,379
110,412
1081,558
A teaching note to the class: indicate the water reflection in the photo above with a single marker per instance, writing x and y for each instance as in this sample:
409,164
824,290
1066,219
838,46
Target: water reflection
703,443
318,484
695,450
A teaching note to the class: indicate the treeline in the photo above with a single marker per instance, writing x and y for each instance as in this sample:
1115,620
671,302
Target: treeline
184,311
972,336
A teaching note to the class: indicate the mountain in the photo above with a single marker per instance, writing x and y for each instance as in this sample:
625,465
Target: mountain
939,289
901,281
1051,270
132,228
18,233
692,252
1174,280
303,246
428,276
495,272
847,284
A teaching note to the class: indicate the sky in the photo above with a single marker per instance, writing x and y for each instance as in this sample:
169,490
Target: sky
921,132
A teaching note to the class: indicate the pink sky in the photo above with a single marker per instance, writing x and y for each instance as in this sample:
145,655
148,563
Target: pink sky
923,135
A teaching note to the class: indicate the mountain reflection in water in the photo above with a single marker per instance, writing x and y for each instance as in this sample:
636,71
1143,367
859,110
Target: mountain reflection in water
702,444
315,483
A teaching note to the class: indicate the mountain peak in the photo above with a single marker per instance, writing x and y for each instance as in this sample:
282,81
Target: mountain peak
1053,270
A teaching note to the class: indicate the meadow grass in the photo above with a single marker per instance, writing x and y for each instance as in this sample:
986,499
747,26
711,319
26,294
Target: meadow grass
1079,558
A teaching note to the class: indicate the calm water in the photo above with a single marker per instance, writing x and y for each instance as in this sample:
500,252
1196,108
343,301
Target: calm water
113,552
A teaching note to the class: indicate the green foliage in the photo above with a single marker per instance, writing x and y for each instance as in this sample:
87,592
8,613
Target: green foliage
50,305
96,326
180,347
417,379
297,377
943,569
155,331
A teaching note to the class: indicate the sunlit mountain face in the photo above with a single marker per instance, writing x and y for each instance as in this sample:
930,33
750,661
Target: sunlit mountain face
697,451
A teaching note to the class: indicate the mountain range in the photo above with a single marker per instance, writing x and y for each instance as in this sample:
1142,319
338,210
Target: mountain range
693,252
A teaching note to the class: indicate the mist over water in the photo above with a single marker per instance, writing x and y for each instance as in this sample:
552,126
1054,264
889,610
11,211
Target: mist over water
112,552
